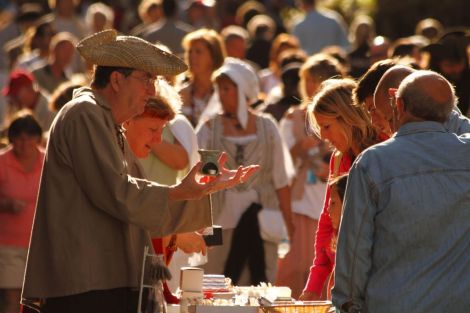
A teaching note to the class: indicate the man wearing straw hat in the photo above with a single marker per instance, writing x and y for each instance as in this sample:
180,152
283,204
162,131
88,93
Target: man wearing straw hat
92,216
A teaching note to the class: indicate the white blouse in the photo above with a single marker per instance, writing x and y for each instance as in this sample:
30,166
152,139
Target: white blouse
236,202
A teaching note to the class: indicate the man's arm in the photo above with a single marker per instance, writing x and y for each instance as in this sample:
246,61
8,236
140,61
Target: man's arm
355,242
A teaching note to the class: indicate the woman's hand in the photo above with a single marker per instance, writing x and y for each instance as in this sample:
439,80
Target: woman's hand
191,242
309,296
192,188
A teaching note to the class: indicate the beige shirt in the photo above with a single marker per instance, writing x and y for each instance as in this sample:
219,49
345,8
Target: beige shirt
92,216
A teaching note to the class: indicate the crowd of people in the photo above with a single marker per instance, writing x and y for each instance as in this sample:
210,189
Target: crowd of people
350,147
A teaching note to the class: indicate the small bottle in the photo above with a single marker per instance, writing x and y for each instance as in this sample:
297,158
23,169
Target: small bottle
283,248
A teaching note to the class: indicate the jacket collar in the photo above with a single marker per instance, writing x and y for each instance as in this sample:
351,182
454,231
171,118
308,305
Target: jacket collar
420,127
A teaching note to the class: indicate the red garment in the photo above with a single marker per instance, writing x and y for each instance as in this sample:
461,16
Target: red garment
324,261
158,247
16,184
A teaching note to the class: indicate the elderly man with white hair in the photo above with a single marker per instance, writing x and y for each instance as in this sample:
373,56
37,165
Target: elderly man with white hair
248,138
403,243
93,212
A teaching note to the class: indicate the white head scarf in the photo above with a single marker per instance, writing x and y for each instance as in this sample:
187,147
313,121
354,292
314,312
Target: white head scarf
247,83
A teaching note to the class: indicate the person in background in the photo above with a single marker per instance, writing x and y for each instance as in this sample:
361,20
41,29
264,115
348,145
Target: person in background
271,77
20,171
22,92
336,118
319,29
335,206
364,94
236,41
290,95
201,14
149,11
262,30
204,53
63,94
309,154
382,110
98,17
248,255
168,30
50,75
361,34
449,57
379,49
37,44
66,19
429,28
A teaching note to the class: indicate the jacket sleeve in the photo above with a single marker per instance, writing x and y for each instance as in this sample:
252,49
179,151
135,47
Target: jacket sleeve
101,171
355,241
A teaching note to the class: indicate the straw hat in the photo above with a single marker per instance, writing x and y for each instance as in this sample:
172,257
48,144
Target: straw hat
106,48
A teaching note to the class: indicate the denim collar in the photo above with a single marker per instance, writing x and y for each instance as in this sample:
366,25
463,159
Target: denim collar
420,127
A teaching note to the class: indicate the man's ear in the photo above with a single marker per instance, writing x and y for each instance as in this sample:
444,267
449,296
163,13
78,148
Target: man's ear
115,80
400,107
392,92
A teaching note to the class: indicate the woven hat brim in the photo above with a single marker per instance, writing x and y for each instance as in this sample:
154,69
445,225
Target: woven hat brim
107,49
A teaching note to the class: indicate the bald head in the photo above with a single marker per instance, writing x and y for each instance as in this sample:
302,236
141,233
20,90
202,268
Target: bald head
391,79
427,95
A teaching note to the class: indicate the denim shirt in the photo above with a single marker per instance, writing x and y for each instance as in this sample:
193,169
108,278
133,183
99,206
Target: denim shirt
404,241
457,123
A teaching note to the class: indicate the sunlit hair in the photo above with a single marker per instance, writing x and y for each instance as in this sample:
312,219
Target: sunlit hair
145,6
165,104
99,8
334,100
213,42
63,37
319,67
281,43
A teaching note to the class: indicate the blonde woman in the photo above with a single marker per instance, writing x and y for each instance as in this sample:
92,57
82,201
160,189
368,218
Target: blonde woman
204,53
335,118
309,154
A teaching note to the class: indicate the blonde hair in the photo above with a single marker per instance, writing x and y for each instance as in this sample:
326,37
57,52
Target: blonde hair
213,42
100,8
281,43
321,67
334,100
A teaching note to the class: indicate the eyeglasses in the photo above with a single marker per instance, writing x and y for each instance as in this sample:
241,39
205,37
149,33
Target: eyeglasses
149,81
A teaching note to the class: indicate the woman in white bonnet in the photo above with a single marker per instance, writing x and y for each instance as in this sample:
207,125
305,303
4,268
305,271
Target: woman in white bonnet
248,138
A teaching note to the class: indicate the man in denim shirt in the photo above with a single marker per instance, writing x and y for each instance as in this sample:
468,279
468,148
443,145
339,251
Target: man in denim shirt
403,244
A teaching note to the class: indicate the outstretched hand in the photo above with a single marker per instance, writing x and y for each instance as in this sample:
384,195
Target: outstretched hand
195,186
